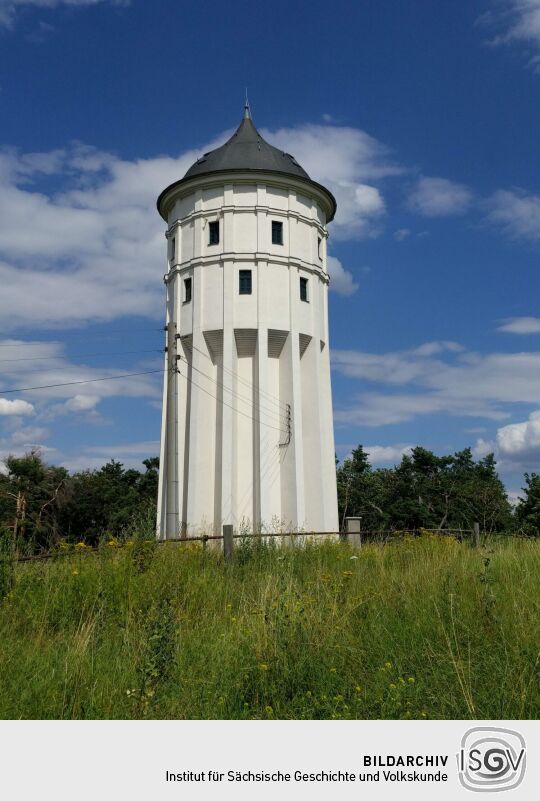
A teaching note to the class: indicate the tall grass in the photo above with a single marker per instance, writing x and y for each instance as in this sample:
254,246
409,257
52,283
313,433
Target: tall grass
421,628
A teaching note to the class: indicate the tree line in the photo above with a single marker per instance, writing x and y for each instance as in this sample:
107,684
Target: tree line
42,504
430,491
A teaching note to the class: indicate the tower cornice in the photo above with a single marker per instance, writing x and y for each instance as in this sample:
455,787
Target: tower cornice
186,186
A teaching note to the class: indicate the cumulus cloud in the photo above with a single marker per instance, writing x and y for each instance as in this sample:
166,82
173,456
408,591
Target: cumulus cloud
15,407
521,325
386,454
341,281
56,368
350,163
520,441
517,22
97,241
516,213
9,8
436,378
439,197
516,446
28,436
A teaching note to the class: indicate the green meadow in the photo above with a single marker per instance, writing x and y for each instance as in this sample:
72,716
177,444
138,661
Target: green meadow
423,627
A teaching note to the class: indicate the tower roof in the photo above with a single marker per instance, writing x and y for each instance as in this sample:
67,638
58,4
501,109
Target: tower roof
246,150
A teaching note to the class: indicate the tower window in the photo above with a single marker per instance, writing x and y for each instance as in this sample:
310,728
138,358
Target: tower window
277,232
173,248
319,247
304,289
244,287
187,290
213,233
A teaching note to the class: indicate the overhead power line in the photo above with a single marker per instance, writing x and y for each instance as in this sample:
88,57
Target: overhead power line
79,355
273,398
220,400
272,413
73,383
86,335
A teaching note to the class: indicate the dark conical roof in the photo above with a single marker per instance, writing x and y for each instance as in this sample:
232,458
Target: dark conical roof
246,150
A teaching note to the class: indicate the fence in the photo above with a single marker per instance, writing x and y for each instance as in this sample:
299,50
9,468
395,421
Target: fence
353,535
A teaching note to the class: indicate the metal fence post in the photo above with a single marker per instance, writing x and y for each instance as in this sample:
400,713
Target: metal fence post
476,533
227,542
352,531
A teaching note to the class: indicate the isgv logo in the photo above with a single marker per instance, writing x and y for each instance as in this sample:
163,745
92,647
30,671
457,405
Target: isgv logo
491,759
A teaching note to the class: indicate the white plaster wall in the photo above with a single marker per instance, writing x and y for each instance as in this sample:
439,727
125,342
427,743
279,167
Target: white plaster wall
233,461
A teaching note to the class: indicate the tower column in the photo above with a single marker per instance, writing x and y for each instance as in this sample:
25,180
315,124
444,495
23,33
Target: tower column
228,448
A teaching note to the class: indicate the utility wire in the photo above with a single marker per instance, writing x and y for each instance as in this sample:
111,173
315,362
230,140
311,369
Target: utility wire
250,417
87,335
78,355
72,383
271,397
270,412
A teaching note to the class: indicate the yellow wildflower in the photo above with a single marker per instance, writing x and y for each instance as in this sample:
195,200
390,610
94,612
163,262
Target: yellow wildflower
263,666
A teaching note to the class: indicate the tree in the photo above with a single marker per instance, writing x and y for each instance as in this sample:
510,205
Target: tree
528,508
31,494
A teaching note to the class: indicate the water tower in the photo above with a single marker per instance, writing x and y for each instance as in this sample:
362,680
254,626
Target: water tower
247,436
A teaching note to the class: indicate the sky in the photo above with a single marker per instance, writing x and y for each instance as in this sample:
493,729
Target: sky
421,117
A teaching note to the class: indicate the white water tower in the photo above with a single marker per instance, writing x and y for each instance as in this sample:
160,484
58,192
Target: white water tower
247,436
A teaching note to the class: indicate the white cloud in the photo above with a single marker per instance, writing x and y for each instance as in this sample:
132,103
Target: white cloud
53,401
9,8
439,197
520,441
15,407
386,454
519,22
98,243
349,162
401,234
82,403
129,454
29,435
521,325
516,446
341,281
441,378
517,213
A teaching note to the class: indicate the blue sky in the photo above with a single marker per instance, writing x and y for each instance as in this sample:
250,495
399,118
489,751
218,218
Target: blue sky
422,118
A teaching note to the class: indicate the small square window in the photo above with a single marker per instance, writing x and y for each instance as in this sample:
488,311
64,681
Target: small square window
277,233
213,233
304,289
187,290
244,286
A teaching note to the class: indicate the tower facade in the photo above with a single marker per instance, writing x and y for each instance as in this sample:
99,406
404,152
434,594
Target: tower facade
247,434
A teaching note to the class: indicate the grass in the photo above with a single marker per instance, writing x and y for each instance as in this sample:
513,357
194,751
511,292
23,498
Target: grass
420,628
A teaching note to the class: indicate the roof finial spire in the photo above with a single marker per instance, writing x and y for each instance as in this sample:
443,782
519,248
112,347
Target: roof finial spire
247,110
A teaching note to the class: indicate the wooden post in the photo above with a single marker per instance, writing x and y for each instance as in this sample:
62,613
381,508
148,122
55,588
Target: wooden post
476,533
352,531
227,542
